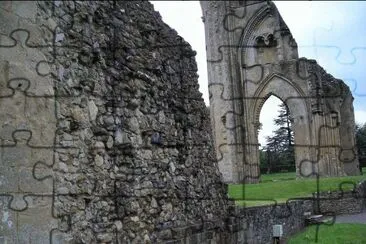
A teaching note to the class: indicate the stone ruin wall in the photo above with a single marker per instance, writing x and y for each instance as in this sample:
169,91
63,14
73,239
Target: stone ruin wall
105,137
251,55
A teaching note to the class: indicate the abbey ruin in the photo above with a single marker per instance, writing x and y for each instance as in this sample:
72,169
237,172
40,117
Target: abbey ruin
252,55
105,137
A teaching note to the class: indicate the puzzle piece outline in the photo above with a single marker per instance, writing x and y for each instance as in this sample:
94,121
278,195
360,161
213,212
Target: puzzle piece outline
240,113
126,105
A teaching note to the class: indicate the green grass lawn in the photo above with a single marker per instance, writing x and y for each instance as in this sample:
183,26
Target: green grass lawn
332,234
283,186
278,177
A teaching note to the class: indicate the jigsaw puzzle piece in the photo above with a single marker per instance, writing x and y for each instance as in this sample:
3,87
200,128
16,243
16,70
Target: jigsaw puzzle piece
230,22
18,32
350,72
18,161
41,39
332,48
41,32
35,216
26,96
19,112
23,163
20,73
336,155
26,188
345,54
62,233
20,76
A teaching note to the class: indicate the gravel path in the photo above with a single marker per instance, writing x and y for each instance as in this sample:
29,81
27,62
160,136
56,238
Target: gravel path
352,218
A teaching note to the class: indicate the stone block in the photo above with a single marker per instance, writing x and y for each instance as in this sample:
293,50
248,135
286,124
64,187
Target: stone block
9,179
36,222
27,182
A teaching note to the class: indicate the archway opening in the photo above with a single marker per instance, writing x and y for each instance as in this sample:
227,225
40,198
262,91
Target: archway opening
276,141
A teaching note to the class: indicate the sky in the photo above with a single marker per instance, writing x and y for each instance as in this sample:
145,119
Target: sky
331,32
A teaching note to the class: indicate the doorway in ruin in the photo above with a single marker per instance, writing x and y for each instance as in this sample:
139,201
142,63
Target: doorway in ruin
252,55
276,140
288,93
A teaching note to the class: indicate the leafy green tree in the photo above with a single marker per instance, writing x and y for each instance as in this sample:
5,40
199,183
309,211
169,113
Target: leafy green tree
263,162
280,148
361,143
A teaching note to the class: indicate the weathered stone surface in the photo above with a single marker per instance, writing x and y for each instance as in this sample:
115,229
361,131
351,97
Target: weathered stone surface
126,141
253,57
93,110
27,133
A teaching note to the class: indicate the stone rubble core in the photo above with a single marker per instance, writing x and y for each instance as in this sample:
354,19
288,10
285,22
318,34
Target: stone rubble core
111,97
105,137
252,55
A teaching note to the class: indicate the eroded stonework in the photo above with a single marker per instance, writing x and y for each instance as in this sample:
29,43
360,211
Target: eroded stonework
112,142
252,55
105,137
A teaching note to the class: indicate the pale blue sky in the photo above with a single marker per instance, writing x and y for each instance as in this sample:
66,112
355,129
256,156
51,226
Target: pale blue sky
331,32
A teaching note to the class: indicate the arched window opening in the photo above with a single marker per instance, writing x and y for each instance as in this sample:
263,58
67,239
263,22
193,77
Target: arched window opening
276,139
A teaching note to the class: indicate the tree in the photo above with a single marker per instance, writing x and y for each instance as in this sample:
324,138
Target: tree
284,120
263,162
280,148
361,143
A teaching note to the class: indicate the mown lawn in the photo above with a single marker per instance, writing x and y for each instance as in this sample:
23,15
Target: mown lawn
283,186
332,234
278,177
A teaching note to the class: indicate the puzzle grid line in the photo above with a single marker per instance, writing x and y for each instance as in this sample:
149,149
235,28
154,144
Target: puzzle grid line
220,51
21,87
22,84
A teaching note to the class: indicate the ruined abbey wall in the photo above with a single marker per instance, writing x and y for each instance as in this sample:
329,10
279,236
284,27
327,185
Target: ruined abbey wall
252,55
105,136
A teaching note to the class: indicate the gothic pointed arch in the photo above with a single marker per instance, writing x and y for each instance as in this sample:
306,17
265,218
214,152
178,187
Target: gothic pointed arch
288,91
257,57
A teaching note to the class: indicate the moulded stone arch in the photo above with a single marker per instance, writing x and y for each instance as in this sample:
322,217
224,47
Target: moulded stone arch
295,99
261,102
265,90
247,38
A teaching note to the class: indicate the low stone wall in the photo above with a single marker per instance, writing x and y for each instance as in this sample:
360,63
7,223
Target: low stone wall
341,202
255,224
244,225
